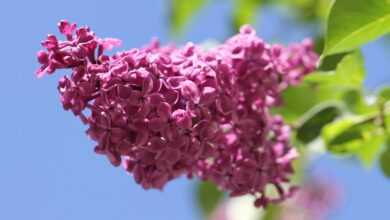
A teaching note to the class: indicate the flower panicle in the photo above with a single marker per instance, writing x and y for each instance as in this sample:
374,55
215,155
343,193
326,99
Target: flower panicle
163,111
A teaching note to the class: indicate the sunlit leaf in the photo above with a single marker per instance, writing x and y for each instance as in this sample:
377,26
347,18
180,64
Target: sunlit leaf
330,63
356,103
344,135
350,72
323,86
352,23
370,149
294,106
357,136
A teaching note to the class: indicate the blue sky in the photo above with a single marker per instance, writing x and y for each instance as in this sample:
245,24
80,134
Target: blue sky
48,168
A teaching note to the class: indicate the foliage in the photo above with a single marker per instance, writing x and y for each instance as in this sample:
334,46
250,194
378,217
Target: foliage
352,23
208,197
314,120
182,11
385,160
245,12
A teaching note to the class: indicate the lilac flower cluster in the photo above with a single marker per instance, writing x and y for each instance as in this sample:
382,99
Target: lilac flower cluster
164,112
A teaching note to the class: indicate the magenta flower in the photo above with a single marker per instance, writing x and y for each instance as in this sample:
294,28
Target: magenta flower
164,112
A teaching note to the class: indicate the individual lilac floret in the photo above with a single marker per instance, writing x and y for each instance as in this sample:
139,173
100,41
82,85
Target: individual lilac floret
164,112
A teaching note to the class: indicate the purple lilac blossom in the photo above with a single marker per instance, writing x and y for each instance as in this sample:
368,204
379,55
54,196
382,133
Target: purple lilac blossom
163,112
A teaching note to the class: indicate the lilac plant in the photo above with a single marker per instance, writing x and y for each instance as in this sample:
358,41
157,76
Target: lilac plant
163,111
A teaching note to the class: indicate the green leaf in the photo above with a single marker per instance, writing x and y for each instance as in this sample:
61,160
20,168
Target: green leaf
369,150
323,86
384,160
384,94
330,63
244,12
356,103
272,212
387,123
352,23
345,135
308,10
208,197
339,133
319,42
312,122
294,105
383,103
355,135
182,11
350,72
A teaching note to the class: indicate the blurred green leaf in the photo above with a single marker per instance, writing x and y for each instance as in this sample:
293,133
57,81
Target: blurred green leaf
369,149
341,132
313,121
319,42
340,136
271,212
244,12
330,63
387,124
355,102
355,135
294,105
182,11
322,8
298,100
308,10
208,197
323,86
384,94
352,23
350,72
384,160
383,103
